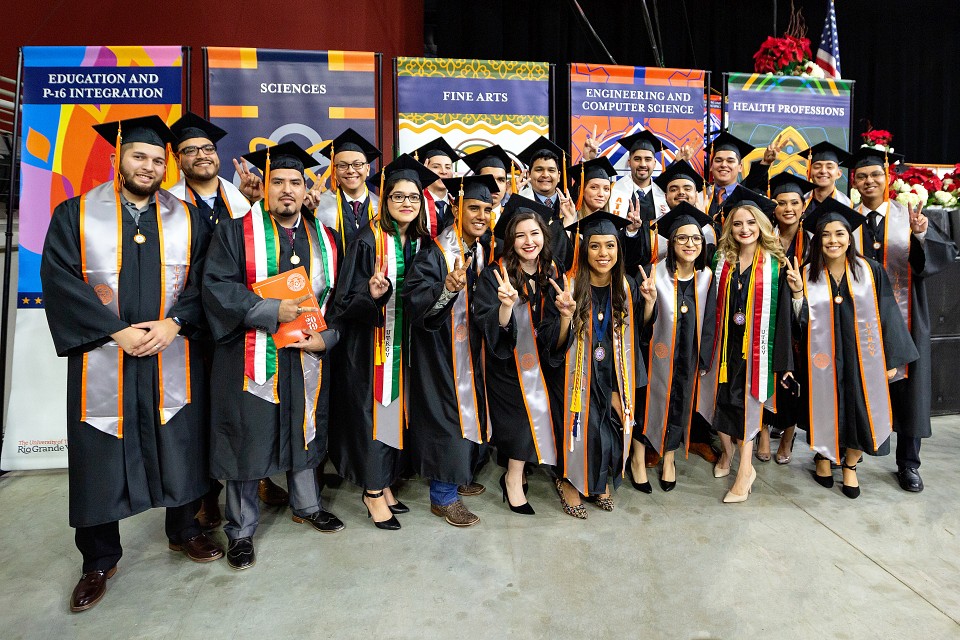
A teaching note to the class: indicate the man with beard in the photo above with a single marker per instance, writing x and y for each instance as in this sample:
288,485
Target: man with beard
438,156
348,205
120,270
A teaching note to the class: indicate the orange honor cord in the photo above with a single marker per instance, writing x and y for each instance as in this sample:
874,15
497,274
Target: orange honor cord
459,226
117,176
886,178
582,187
565,184
172,171
266,183
513,178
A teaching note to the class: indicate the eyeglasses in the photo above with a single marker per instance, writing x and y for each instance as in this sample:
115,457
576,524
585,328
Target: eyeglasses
685,239
876,175
356,166
397,198
208,149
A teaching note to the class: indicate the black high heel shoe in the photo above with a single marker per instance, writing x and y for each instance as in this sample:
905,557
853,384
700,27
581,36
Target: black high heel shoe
398,507
524,509
643,487
388,525
851,492
668,485
824,481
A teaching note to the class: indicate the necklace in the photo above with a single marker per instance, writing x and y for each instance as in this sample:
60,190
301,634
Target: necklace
600,326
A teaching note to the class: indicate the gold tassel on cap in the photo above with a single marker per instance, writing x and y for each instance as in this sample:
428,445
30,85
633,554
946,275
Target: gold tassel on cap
172,172
117,176
266,182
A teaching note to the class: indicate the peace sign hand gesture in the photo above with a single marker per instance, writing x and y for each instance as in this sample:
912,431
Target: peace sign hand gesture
773,150
567,209
591,145
457,279
648,285
523,179
918,221
379,283
506,292
794,278
251,185
633,215
564,301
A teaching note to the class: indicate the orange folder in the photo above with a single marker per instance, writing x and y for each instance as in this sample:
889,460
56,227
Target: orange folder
291,285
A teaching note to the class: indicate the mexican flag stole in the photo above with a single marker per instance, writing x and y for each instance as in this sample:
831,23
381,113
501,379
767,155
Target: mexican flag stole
433,219
660,357
101,257
894,255
822,358
388,389
262,257
461,353
758,340
577,384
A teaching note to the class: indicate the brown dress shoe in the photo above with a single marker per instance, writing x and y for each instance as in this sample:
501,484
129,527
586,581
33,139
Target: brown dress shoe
705,451
90,590
199,548
456,514
650,457
472,489
271,494
209,515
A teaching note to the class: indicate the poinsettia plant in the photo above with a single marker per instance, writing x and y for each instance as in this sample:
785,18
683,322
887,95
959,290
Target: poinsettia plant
878,139
788,55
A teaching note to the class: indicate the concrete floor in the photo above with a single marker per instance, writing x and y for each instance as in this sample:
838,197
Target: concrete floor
795,561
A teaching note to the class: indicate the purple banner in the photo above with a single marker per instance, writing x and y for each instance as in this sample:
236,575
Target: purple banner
471,95
800,109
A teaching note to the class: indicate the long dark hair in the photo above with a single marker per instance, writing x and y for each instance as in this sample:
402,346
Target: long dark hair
815,256
512,261
583,294
698,263
417,228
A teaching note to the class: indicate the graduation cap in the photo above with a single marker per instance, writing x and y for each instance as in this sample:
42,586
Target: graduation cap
729,142
786,182
591,169
493,156
642,140
678,170
824,152
475,187
518,204
150,130
436,147
599,223
350,140
405,168
832,210
741,196
193,126
286,155
682,214
539,145
868,156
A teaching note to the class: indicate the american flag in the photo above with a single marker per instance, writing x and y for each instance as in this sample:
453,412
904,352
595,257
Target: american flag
828,54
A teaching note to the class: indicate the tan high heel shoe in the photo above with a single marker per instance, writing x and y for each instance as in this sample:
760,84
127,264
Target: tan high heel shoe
732,497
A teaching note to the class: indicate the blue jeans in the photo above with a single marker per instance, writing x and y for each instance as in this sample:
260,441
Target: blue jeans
443,493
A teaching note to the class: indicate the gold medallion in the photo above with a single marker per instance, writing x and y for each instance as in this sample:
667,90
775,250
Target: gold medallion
139,238
294,259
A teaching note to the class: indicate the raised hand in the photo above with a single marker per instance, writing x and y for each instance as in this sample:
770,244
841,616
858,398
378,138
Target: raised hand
633,215
918,221
523,179
648,285
251,185
685,152
564,302
794,278
591,145
773,150
290,310
506,292
312,199
567,209
457,279
379,283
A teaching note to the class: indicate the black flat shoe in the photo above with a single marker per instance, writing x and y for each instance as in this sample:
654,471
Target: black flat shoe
851,492
524,509
399,507
322,521
240,554
642,487
909,479
391,524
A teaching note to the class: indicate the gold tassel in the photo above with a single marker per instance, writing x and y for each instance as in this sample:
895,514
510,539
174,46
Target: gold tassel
266,183
172,172
117,176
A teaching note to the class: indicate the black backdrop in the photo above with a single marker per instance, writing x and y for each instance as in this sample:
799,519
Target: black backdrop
904,56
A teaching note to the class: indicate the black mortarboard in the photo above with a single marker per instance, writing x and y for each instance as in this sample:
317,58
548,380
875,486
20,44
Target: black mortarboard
286,155
350,140
436,147
868,156
678,170
599,223
475,187
642,140
742,196
832,209
824,152
540,144
493,156
729,142
596,168
147,129
786,182
193,126
518,204
682,214
407,168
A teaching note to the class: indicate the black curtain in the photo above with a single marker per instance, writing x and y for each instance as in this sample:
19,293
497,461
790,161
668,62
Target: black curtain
901,55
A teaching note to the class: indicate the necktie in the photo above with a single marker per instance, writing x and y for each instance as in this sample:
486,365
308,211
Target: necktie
640,194
548,203
441,213
356,204
875,222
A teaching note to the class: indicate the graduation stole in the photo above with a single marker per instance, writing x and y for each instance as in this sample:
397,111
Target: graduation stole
235,202
758,340
101,257
660,357
433,218
460,350
822,359
262,257
577,384
388,343
894,255
533,386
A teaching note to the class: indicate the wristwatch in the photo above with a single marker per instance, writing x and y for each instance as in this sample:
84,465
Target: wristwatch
177,321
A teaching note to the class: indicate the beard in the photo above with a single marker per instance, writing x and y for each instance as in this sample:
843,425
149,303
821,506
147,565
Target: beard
138,189
204,172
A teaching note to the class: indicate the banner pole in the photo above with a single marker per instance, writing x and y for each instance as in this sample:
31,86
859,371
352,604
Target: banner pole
8,246
378,90
186,103
206,83
396,111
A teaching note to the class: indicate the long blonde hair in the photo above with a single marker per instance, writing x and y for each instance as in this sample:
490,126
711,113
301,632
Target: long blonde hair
729,248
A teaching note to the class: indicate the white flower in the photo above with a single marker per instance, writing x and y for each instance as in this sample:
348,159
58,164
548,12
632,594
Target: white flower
899,184
922,192
908,199
945,199
854,196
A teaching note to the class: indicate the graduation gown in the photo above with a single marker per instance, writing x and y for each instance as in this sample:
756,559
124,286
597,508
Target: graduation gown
560,244
910,397
326,213
437,447
153,465
251,438
357,456
853,426
509,417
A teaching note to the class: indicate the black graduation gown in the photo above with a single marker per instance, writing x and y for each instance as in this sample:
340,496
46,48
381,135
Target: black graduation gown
437,447
560,244
251,438
911,397
729,414
212,216
350,227
356,455
153,465
689,358
898,350
508,416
